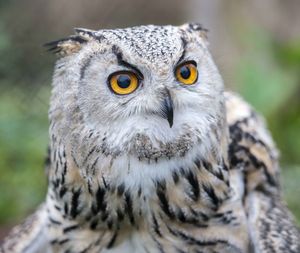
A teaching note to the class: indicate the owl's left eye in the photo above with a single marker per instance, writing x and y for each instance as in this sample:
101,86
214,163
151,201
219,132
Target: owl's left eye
187,73
123,82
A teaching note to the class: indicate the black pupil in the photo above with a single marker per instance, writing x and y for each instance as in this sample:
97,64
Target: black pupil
185,72
124,81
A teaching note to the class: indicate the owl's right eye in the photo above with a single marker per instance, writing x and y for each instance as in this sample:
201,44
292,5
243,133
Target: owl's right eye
187,73
123,82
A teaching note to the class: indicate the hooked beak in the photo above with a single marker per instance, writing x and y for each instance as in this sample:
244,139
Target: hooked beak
167,109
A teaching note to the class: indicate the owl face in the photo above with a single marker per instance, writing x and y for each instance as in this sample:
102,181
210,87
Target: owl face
148,85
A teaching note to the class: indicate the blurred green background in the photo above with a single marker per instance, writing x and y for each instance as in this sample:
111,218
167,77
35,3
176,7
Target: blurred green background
256,45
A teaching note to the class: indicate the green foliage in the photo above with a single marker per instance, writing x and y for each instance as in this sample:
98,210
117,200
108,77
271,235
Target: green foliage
268,77
23,138
291,189
288,54
261,80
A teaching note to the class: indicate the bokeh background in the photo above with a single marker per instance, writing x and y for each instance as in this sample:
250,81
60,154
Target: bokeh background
255,43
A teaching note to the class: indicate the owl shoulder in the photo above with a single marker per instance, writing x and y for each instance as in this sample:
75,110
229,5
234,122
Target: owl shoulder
29,236
253,154
251,147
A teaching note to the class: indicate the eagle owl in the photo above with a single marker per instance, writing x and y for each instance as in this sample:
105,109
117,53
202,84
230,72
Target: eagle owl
148,154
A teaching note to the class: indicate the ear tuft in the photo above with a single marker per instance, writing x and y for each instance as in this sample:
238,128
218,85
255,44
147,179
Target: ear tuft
70,45
85,33
196,27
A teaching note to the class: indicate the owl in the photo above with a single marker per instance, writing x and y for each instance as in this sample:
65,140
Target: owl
149,154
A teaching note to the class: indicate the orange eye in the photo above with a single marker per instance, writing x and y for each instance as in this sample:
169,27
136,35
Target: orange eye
123,83
187,73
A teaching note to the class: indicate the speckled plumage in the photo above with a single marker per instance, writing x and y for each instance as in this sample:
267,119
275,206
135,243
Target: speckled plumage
121,179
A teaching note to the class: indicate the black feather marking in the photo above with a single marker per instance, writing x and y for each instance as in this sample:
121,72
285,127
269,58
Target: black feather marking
193,181
62,191
181,215
100,202
207,165
56,183
158,244
66,208
85,249
90,190
212,195
90,152
105,183
64,241
57,208
85,65
198,163
53,221
139,191
93,224
120,189
104,216
70,228
54,241
191,240
59,157
110,224
219,174
64,172
74,203
164,202
156,226
128,207
112,240
190,220
225,167
93,167
175,177
120,214
201,215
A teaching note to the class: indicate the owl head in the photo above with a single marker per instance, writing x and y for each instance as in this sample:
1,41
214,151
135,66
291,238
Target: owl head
151,92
